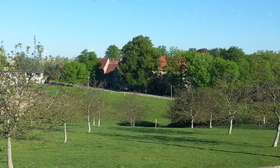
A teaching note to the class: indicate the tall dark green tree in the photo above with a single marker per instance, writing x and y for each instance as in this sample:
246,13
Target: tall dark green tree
163,51
74,72
176,70
113,52
89,58
224,70
140,61
199,67
233,54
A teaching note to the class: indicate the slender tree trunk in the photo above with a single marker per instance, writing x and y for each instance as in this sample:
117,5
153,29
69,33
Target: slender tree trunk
156,122
131,122
276,140
264,119
65,132
230,125
211,118
192,122
9,152
93,121
99,120
89,127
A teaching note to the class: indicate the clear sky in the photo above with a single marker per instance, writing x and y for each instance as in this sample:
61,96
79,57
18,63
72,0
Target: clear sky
66,27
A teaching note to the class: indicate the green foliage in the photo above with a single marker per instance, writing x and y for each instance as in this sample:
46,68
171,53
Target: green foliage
217,52
176,70
3,58
224,70
233,54
199,67
174,51
53,67
90,60
26,60
163,51
75,72
140,61
261,68
244,69
131,109
113,52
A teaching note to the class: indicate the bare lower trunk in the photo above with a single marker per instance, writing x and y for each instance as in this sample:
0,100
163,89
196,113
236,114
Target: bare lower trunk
93,121
89,127
9,153
264,119
132,122
99,122
230,126
65,132
277,135
156,123
210,123
192,123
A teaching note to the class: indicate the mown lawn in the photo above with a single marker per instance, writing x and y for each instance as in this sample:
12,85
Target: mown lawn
117,146
125,147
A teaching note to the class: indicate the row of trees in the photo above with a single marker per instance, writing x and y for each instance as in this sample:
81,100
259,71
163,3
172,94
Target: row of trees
140,65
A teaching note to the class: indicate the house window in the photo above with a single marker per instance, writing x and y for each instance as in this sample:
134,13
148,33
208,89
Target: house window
38,74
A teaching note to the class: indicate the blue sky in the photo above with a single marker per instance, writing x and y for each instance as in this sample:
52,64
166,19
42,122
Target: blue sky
66,27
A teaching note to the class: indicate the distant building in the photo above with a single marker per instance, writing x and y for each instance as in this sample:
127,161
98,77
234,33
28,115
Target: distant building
15,75
202,50
109,72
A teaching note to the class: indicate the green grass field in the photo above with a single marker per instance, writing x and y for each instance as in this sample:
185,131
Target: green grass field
120,146
117,146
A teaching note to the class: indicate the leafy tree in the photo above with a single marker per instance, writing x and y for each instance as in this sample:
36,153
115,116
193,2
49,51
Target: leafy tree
163,51
199,67
233,54
210,104
64,109
17,99
244,69
90,60
74,72
234,99
26,61
92,103
217,52
113,52
272,91
174,51
140,61
224,70
131,109
186,107
176,70
53,67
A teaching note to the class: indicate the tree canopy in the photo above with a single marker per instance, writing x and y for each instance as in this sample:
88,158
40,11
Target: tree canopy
113,52
140,61
74,72
89,58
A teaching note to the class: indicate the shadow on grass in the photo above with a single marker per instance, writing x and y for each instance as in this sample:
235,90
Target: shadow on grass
140,124
171,141
165,131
